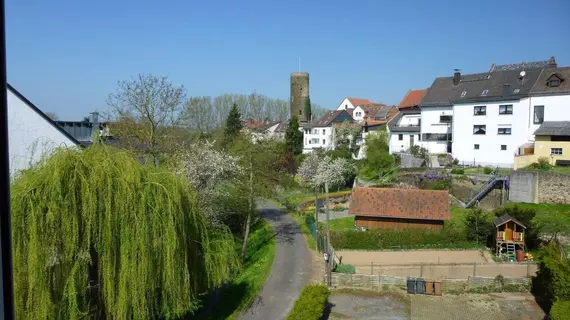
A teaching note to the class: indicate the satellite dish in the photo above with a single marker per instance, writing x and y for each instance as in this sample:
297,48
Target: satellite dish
523,73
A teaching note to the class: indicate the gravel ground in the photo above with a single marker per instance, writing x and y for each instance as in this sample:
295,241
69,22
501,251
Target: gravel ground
347,306
409,257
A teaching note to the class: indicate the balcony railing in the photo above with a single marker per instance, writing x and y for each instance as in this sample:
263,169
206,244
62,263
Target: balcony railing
445,119
437,137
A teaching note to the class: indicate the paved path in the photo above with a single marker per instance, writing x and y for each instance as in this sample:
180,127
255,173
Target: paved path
290,270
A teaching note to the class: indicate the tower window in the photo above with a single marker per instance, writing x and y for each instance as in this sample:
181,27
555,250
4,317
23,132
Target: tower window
300,112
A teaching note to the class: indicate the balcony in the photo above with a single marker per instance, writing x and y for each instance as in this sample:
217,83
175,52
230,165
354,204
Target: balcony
445,119
437,137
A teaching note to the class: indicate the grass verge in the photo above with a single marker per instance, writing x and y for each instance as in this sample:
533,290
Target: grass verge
239,294
300,219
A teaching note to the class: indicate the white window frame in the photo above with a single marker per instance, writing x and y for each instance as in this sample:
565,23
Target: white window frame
553,153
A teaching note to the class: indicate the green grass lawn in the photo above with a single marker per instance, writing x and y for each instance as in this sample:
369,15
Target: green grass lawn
239,294
561,169
338,224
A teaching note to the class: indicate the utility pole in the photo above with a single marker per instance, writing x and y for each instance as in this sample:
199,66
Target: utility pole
7,298
331,258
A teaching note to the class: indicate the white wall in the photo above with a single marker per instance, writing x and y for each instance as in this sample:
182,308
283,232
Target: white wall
29,135
431,124
556,108
397,145
313,139
489,152
345,104
358,114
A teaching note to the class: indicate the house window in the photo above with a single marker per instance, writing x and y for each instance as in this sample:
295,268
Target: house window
479,110
324,141
346,106
400,137
300,112
503,147
555,151
476,146
506,109
324,131
554,83
504,131
463,94
419,137
484,93
538,114
479,129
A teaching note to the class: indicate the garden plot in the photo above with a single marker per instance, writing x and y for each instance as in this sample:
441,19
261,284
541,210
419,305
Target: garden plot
365,258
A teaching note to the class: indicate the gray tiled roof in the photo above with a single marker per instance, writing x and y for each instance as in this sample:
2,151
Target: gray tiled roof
541,87
330,117
553,128
393,124
523,65
505,218
443,93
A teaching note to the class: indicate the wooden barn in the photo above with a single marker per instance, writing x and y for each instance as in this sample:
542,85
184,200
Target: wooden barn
387,208
509,235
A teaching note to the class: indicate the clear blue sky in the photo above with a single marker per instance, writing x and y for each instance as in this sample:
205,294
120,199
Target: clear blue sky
67,56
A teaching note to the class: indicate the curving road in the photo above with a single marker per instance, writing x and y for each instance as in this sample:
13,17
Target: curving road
290,271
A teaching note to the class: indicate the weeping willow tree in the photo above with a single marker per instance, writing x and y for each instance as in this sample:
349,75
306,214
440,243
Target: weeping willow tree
98,235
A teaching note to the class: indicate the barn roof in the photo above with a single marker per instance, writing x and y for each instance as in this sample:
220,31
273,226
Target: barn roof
400,203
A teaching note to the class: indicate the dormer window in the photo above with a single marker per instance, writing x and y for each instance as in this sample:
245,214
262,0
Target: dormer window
554,81
463,94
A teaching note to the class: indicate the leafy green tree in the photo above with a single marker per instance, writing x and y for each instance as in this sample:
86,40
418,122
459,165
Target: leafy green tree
233,125
262,172
477,225
294,137
378,162
553,226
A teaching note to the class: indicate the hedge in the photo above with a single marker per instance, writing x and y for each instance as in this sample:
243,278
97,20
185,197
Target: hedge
552,281
560,310
404,239
311,304
457,171
345,268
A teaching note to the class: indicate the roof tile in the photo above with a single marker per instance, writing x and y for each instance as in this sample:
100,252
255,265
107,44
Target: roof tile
412,98
400,203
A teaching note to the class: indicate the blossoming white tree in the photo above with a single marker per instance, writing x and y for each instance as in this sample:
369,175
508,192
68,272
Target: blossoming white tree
208,170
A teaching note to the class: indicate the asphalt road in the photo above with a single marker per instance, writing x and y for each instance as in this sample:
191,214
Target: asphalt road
290,271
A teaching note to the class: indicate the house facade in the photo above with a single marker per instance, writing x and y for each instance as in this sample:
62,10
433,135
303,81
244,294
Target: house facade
405,125
32,135
319,134
389,208
552,142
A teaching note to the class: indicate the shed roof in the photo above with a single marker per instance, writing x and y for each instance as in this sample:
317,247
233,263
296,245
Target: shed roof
553,128
400,203
506,218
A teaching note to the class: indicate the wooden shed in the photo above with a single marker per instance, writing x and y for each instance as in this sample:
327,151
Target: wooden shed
509,235
390,208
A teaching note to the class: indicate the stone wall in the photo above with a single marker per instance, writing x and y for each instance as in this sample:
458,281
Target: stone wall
539,187
553,187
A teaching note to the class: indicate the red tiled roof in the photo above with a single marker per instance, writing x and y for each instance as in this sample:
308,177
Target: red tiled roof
400,203
360,102
412,98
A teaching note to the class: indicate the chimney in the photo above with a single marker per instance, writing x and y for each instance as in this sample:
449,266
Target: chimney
456,77
95,123
506,90
552,63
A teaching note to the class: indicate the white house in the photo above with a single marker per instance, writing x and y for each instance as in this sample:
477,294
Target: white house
405,126
320,134
31,134
487,118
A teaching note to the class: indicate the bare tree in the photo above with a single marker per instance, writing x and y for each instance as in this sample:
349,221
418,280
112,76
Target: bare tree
147,111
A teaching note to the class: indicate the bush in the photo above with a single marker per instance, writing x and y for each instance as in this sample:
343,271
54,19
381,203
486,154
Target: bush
311,304
409,238
560,310
457,171
487,170
552,281
345,268
455,161
543,164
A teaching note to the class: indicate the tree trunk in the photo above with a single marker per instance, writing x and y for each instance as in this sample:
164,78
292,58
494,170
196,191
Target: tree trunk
248,220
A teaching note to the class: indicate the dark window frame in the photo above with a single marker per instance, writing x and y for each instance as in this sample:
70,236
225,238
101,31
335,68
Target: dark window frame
506,111
476,146
540,121
503,147
504,131
400,137
555,153
552,81
480,110
480,126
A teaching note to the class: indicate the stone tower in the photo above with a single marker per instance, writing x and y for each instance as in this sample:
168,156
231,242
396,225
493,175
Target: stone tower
299,95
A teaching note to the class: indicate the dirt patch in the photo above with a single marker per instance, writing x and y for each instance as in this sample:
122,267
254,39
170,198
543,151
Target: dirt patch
364,258
344,305
317,267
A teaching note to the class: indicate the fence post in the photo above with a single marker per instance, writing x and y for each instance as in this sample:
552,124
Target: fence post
474,269
421,270
469,282
528,268
372,268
